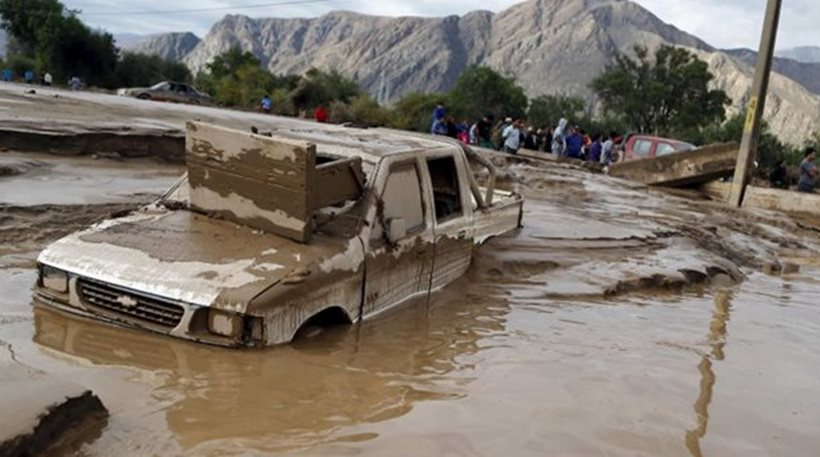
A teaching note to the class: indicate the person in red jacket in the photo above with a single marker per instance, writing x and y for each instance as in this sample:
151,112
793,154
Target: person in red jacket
320,114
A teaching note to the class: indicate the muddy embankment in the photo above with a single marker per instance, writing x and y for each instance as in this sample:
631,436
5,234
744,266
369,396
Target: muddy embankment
167,147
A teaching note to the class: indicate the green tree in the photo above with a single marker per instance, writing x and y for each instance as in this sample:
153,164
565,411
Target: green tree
668,95
320,88
813,141
480,90
229,62
237,79
547,110
770,150
414,111
144,70
58,41
19,64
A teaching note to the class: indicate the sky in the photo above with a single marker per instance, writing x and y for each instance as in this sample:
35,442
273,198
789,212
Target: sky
721,23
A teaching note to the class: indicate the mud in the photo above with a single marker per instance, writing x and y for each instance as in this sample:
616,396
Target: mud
620,320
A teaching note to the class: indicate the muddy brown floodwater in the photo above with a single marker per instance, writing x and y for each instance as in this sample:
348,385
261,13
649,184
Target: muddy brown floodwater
620,321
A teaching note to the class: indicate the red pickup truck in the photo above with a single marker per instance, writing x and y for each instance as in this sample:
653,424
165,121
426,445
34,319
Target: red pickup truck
637,147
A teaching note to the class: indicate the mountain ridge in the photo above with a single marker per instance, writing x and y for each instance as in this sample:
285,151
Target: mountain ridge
804,54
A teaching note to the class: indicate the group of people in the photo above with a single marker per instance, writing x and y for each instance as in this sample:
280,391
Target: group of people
45,79
512,135
266,106
807,181
28,77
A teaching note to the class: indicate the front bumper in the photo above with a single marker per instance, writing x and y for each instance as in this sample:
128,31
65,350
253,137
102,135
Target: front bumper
192,325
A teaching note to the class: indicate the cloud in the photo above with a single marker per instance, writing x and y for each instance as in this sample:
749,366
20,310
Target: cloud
725,24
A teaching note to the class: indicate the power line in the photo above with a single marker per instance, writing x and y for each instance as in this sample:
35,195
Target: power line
200,10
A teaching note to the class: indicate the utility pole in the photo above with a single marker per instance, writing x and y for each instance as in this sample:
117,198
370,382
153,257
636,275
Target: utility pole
754,111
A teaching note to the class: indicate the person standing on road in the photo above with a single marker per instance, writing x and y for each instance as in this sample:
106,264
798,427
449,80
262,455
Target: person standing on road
8,75
575,144
464,132
607,148
512,136
47,79
320,114
28,76
808,172
439,112
779,177
439,127
75,83
595,149
485,131
559,138
266,104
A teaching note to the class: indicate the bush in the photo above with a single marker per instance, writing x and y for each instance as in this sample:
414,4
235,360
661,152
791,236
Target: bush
138,70
414,111
770,149
481,90
547,110
19,64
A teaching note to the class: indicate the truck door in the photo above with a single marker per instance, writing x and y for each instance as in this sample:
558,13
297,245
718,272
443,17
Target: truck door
453,214
401,270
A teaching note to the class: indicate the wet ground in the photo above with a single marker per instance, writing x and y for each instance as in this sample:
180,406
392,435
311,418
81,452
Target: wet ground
621,321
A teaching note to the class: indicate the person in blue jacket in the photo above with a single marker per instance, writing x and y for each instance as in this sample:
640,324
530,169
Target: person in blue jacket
575,144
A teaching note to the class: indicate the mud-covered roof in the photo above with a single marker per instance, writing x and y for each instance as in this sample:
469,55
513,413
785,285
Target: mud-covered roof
371,144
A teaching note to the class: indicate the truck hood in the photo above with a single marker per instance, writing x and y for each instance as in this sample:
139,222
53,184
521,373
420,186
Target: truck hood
188,257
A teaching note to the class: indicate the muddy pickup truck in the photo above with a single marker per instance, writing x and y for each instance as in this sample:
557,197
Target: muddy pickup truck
269,234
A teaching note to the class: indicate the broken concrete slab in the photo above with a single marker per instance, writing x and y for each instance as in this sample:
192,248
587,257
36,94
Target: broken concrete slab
683,168
41,411
790,201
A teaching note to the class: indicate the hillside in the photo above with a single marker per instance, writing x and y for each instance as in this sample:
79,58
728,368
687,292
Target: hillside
169,46
805,54
807,74
551,46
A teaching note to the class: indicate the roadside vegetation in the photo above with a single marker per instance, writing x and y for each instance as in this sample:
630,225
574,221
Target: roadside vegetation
666,94
46,37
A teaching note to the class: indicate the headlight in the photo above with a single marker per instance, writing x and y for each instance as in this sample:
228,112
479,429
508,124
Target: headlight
224,324
54,279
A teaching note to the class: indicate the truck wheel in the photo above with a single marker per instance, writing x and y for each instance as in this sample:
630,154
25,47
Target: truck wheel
144,97
307,332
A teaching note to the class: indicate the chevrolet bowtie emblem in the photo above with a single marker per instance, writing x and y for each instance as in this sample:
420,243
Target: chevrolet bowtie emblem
127,301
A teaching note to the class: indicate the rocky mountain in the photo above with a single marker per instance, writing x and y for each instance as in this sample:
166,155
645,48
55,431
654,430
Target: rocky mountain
169,46
551,46
128,40
805,54
807,74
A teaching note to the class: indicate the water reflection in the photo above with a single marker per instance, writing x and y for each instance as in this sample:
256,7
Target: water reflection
299,395
717,342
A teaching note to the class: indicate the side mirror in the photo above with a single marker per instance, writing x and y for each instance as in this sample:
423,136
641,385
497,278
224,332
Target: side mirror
396,230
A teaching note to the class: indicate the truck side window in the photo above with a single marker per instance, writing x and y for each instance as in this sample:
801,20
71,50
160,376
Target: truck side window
446,189
402,197
664,149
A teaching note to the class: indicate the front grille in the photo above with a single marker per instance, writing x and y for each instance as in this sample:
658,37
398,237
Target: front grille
123,302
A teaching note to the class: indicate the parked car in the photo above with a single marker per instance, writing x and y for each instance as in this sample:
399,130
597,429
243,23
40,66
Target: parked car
267,235
168,92
637,147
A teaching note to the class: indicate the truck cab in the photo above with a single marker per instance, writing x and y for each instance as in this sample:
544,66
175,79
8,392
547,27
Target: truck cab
638,147
268,234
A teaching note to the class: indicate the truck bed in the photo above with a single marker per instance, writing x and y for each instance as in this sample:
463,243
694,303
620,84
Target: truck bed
502,216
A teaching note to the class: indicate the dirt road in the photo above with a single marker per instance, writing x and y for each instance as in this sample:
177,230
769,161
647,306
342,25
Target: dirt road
619,321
